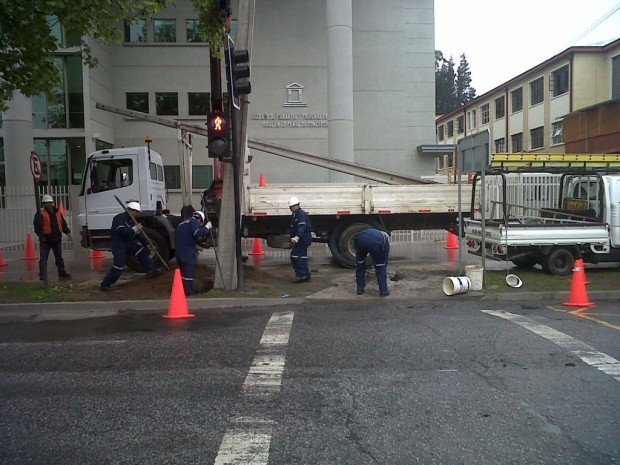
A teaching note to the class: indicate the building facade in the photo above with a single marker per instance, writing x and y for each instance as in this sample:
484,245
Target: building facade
386,105
527,113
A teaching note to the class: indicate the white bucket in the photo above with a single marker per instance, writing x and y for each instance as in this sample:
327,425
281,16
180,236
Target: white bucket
456,285
474,273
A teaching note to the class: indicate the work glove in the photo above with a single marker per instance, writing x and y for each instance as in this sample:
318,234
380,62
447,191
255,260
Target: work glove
295,239
137,228
208,225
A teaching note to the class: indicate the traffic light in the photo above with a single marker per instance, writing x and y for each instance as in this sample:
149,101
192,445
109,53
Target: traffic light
219,135
238,69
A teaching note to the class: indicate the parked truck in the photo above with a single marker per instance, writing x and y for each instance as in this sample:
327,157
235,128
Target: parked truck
338,211
585,223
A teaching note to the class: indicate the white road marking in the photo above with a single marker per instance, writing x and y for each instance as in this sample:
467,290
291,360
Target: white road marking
248,440
60,344
588,354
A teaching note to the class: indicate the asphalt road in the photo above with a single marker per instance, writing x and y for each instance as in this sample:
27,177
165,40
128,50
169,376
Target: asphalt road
377,382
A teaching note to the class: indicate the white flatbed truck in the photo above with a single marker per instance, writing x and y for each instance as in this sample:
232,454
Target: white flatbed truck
338,211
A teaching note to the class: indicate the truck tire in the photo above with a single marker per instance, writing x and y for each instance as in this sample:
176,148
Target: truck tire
559,261
162,247
342,242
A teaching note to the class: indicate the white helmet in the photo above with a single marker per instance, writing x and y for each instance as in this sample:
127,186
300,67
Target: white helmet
134,206
199,216
293,201
47,198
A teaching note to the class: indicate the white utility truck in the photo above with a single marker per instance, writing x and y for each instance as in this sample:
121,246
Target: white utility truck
585,224
338,211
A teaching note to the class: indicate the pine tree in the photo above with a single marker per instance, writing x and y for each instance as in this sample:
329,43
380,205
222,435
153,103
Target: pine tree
445,92
464,91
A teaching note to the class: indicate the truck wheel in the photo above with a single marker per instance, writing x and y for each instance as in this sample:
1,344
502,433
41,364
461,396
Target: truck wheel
559,262
162,247
524,262
342,242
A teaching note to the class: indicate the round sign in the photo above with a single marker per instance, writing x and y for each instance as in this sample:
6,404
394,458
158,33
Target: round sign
35,165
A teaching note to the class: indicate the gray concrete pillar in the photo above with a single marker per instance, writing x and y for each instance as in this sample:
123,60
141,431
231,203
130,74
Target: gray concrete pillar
18,141
340,84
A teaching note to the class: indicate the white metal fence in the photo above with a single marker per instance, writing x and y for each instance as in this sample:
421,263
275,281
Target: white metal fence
17,210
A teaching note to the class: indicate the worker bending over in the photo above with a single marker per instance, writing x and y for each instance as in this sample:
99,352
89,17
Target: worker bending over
377,244
186,237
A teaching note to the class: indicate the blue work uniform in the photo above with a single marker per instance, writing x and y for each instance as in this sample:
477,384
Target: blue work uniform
302,228
377,244
185,238
126,242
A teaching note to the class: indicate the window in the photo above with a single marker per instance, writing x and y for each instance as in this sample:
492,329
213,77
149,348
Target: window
517,142
67,111
559,81
202,175
153,170
138,101
440,132
460,124
537,91
193,34
500,145
2,172
167,103
65,38
499,107
198,103
135,31
557,132
472,119
62,160
450,128
615,77
516,98
484,110
164,30
107,175
537,137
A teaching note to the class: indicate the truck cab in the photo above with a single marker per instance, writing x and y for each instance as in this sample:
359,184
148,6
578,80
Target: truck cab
131,174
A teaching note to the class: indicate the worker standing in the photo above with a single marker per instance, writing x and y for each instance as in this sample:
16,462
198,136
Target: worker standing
376,243
301,237
127,240
49,224
186,237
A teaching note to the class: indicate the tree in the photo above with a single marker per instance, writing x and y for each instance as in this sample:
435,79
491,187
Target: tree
28,41
464,91
445,93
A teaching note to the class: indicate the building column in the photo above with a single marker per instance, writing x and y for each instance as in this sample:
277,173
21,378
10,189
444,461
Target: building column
18,141
340,84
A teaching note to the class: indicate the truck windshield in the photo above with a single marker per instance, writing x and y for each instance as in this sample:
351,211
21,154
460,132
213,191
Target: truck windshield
110,174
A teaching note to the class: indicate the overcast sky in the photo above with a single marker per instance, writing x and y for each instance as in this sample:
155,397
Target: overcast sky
502,39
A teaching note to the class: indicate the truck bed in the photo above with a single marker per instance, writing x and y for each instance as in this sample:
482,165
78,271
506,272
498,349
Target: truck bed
518,234
356,199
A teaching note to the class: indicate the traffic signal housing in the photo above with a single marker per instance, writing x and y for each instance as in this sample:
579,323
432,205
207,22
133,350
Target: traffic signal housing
218,127
237,71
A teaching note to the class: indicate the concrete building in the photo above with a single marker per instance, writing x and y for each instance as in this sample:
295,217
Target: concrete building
527,113
349,79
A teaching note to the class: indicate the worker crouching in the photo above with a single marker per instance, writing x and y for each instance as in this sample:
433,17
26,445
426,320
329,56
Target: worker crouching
186,237
127,239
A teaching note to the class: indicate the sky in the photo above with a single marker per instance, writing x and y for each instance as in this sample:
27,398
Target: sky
501,39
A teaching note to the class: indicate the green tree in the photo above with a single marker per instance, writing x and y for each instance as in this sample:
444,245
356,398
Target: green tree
28,41
445,91
464,91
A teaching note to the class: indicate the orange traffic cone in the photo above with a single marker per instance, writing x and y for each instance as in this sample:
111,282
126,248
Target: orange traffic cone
62,210
262,181
178,302
29,253
96,253
2,262
451,241
257,247
578,296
